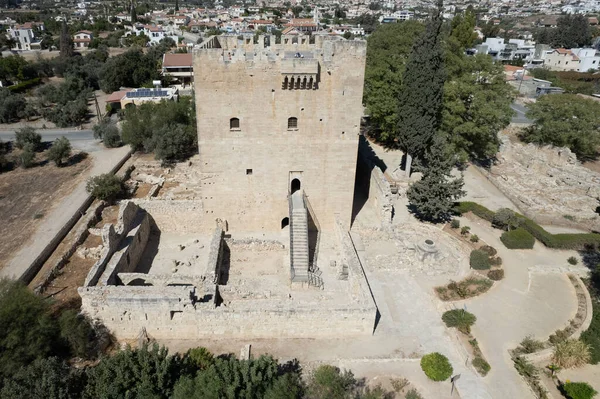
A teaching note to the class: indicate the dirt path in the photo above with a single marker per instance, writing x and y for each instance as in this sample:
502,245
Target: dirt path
104,161
28,196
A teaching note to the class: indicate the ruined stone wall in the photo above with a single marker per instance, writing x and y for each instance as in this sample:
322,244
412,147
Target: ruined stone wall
168,313
249,169
127,240
178,216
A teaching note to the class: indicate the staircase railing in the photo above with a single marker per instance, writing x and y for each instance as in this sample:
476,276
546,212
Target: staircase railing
316,222
292,272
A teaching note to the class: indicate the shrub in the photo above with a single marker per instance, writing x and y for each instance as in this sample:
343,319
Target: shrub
460,319
413,394
505,219
465,230
479,210
479,260
330,382
60,151
399,384
474,238
496,274
491,251
201,358
559,336
517,239
108,132
591,336
578,390
28,135
481,366
77,331
571,353
27,157
573,260
106,187
455,223
436,366
496,261
530,345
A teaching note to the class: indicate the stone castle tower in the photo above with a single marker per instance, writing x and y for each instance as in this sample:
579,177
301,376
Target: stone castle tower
276,120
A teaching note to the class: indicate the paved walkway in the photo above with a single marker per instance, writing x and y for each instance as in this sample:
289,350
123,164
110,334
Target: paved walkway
103,162
524,303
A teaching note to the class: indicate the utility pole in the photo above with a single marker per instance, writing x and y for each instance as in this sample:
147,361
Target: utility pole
97,108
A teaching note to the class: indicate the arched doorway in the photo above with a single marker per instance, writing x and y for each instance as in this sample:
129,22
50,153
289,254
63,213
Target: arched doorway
285,222
295,186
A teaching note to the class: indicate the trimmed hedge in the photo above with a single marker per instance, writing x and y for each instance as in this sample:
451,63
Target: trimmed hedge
479,210
481,365
517,239
436,366
557,241
479,260
578,390
459,318
23,86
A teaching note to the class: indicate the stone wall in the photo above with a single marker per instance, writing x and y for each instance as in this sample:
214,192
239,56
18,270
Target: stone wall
249,170
178,216
379,190
168,313
123,244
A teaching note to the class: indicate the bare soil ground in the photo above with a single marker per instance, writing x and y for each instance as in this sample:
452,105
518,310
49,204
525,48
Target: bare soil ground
26,195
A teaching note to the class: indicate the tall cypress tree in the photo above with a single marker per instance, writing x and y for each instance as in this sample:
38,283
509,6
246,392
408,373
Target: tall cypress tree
133,12
433,196
66,42
421,96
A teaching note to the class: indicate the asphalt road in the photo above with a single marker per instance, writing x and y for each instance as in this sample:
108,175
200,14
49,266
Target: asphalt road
80,139
519,116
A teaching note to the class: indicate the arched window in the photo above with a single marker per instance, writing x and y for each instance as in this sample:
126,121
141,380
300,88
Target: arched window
293,123
234,124
285,222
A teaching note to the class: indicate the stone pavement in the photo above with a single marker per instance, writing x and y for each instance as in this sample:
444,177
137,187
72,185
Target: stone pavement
103,162
527,302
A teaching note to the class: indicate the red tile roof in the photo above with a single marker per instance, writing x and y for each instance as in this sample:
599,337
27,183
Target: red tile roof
177,60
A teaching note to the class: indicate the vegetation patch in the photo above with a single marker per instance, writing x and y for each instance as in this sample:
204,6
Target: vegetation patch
479,260
436,366
467,288
557,241
459,318
578,390
517,239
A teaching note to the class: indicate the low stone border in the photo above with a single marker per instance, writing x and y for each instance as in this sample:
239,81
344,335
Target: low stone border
584,308
82,233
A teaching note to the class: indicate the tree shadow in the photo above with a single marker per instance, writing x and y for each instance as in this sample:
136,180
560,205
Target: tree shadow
223,277
76,158
145,263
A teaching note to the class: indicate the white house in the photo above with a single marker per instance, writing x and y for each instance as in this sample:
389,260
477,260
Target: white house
82,39
577,60
25,37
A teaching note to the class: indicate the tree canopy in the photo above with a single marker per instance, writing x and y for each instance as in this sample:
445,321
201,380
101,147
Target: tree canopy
476,97
421,94
566,120
571,31
387,52
167,128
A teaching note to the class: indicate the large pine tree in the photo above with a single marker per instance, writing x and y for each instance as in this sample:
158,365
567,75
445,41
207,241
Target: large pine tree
433,196
421,95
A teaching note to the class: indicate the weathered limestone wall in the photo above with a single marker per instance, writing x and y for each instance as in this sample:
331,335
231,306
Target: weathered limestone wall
167,312
379,189
129,235
248,171
178,216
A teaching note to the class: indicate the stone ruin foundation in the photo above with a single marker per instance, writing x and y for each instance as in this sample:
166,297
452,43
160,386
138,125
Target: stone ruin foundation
166,269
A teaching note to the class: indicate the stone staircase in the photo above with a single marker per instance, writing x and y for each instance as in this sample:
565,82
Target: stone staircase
299,238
